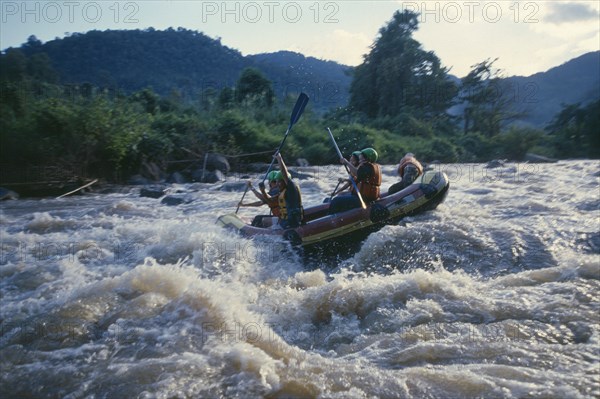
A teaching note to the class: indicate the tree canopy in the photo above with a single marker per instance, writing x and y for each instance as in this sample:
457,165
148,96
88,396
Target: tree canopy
400,96
398,76
253,87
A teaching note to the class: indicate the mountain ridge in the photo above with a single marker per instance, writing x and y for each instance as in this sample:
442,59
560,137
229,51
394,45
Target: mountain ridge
544,93
191,63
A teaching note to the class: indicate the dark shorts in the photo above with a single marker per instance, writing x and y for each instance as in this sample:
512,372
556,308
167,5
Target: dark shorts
294,219
343,203
259,220
410,175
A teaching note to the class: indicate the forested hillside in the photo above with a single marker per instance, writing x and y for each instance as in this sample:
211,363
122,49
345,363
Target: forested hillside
326,81
191,65
185,62
182,60
111,102
543,94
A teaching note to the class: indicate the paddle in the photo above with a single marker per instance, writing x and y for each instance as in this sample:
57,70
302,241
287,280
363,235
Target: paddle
362,203
296,113
334,192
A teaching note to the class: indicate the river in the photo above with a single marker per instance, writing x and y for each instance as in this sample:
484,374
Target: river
494,294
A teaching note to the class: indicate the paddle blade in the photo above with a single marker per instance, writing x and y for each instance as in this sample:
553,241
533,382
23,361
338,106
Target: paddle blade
298,108
296,112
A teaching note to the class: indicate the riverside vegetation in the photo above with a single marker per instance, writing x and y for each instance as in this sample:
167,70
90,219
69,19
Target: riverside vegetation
399,101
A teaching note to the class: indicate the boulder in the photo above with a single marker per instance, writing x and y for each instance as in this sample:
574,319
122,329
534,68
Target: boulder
299,175
495,163
234,186
152,171
208,176
152,192
172,200
302,162
6,194
529,157
214,176
255,167
217,162
177,178
139,180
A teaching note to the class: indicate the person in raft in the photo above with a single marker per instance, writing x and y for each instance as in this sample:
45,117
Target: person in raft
269,198
345,189
408,170
289,198
368,180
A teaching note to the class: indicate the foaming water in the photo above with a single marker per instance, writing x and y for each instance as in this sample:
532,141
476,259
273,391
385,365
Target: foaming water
494,294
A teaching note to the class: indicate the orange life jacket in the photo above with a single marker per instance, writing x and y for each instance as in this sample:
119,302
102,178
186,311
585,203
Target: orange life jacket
404,162
369,187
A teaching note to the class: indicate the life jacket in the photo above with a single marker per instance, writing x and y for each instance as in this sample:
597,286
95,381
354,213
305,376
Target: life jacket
369,187
404,162
283,211
274,206
273,202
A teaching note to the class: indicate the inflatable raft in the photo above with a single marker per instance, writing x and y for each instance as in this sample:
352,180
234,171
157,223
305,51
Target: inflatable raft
318,228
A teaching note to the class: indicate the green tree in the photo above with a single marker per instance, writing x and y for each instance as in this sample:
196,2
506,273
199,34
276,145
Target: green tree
39,67
13,65
208,99
488,102
516,142
574,131
253,88
148,99
226,98
474,147
398,76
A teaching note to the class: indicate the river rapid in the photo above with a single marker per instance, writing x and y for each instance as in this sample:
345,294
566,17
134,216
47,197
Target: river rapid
494,294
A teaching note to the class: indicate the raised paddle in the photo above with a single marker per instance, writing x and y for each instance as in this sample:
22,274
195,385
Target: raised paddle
362,203
296,113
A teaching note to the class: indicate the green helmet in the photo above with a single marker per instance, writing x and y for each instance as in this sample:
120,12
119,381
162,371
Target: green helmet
356,154
279,175
370,154
272,175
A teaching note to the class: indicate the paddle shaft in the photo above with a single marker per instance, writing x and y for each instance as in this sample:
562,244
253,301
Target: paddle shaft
270,166
334,190
276,152
296,113
240,203
362,203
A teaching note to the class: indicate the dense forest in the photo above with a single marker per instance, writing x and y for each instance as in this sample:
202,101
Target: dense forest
398,101
184,61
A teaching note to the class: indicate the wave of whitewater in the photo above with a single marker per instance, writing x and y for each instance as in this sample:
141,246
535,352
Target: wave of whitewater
494,294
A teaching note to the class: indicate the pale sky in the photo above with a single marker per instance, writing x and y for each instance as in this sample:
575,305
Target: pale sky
526,36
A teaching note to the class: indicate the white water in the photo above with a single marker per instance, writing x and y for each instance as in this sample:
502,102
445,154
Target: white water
494,294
